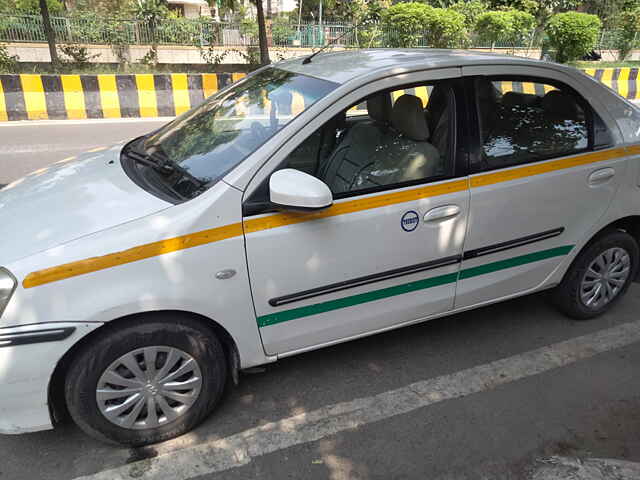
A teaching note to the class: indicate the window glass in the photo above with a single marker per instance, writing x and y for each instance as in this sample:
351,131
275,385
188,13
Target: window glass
205,143
390,139
523,121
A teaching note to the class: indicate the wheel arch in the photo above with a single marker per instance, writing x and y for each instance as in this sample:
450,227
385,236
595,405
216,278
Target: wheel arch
629,224
56,399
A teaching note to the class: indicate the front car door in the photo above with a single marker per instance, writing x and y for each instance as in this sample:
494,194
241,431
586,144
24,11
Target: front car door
543,174
388,251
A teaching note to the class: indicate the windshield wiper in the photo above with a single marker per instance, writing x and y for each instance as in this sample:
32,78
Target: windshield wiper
164,166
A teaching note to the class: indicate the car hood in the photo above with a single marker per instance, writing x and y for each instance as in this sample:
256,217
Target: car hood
68,200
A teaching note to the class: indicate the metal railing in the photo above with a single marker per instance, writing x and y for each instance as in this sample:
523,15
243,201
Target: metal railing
92,29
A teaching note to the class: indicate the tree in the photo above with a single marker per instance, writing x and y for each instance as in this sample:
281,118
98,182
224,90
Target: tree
333,9
151,11
262,33
573,34
471,10
609,11
628,23
49,33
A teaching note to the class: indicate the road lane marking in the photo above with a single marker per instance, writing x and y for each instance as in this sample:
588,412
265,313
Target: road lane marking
241,448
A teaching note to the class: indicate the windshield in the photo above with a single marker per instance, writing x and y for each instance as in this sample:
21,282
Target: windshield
208,141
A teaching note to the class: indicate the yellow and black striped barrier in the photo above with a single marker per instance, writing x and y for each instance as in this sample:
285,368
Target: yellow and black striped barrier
56,97
622,80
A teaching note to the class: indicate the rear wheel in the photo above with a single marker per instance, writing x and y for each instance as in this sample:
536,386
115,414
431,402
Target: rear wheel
599,276
146,382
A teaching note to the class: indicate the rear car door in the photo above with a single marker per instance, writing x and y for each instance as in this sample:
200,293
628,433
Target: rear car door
388,251
544,171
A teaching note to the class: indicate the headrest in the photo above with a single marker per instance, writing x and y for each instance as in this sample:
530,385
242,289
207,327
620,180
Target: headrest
486,91
379,107
438,103
408,118
561,104
512,99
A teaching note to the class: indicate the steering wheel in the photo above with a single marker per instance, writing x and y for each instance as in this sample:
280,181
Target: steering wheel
259,131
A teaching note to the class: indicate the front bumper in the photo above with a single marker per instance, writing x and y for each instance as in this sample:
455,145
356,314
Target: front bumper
28,358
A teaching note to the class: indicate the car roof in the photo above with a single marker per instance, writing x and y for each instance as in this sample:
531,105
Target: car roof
343,66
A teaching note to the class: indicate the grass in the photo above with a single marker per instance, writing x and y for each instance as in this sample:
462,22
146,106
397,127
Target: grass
98,68
601,64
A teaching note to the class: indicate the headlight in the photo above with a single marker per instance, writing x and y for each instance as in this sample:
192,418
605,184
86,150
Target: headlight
7,286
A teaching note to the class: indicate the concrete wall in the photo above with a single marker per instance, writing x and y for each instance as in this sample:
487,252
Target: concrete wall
35,97
39,52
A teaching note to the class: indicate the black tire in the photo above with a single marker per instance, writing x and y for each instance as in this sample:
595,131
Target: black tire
566,296
161,329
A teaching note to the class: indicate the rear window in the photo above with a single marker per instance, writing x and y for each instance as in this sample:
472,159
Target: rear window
526,120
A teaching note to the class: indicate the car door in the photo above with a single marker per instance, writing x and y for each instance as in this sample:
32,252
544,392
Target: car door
388,251
544,172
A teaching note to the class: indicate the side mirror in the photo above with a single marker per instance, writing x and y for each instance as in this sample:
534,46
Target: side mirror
297,190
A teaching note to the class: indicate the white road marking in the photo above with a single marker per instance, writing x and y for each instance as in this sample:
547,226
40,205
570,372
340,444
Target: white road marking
88,121
239,449
562,468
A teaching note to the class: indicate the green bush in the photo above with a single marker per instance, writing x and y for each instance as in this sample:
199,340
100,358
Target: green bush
523,22
445,28
628,25
282,31
573,34
405,23
75,57
8,62
471,10
509,26
412,23
494,26
32,7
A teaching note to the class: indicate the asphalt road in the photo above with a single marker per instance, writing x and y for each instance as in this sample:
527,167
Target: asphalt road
28,146
431,401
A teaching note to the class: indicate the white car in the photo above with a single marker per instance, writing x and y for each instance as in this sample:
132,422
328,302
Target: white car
308,204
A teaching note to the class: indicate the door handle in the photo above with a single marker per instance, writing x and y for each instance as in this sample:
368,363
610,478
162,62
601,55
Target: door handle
441,213
601,176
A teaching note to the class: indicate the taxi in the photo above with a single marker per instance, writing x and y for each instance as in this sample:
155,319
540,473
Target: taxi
313,202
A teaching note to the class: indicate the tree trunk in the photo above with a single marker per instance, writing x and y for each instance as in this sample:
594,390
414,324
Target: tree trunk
49,33
262,34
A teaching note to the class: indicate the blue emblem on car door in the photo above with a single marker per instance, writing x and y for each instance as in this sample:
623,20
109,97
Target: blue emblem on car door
409,221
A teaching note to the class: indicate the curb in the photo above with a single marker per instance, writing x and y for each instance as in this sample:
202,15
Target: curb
78,97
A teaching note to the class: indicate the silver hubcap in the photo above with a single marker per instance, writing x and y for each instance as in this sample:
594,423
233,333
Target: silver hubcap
605,277
149,387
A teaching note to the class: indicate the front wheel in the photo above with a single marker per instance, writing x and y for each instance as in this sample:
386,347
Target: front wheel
146,382
599,276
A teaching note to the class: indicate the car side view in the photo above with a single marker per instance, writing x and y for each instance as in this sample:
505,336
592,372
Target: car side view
311,203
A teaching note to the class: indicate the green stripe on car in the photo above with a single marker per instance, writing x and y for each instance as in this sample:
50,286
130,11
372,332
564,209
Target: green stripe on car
361,298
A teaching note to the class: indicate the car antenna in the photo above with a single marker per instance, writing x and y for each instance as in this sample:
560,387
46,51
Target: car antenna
308,59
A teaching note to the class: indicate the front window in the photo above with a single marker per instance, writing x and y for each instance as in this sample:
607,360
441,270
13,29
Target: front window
188,155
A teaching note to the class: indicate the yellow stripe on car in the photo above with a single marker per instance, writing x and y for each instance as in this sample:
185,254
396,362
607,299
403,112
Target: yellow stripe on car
540,168
134,254
277,220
